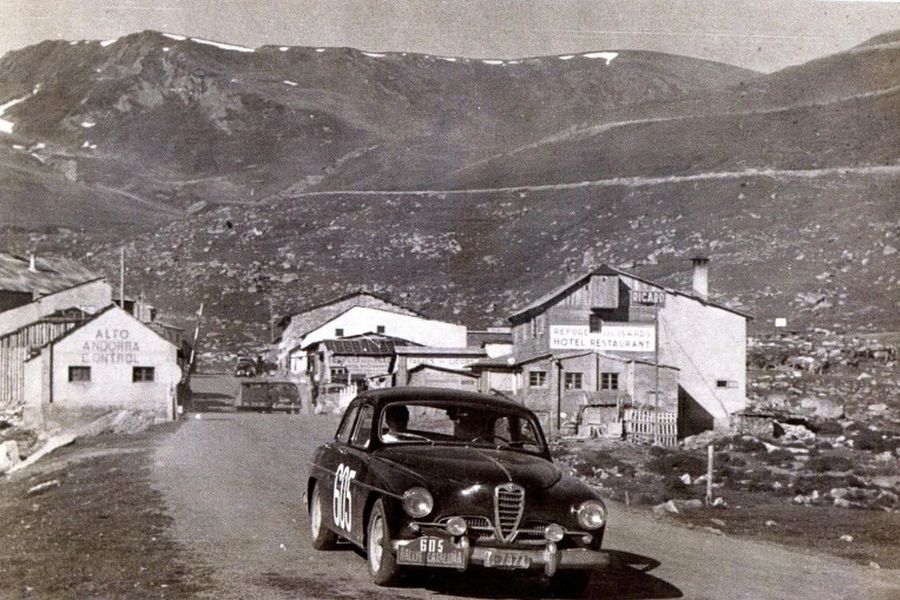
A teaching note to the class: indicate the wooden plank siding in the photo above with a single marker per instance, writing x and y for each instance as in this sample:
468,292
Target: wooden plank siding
15,348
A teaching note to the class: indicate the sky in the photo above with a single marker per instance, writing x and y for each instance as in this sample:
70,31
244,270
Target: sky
765,35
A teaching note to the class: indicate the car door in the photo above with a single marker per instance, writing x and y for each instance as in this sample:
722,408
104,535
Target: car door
346,466
331,471
352,495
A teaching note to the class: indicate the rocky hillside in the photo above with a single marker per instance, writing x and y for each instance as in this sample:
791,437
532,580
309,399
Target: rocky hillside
160,121
259,181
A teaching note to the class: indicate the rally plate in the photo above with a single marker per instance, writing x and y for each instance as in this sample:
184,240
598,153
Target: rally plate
431,552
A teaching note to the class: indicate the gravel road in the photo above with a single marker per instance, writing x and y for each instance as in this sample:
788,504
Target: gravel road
233,482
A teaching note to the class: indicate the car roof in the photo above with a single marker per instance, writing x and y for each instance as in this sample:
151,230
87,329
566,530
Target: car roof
381,397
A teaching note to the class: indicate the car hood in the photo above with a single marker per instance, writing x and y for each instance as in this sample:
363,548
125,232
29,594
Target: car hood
463,464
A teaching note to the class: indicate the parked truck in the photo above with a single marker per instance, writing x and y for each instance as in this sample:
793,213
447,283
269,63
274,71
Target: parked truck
269,396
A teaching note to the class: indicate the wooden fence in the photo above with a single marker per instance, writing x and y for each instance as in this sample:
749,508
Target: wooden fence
641,427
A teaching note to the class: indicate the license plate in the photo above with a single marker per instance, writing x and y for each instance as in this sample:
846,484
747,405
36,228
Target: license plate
431,552
499,559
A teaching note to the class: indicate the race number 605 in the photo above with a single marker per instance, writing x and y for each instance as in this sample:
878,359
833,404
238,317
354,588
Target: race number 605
342,503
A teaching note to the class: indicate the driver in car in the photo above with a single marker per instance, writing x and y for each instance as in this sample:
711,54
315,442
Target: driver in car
397,419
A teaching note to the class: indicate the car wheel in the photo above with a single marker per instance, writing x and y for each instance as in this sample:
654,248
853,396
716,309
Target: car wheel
569,584
322,537
382,564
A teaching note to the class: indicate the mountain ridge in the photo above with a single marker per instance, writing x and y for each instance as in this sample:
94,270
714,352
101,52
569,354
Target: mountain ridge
261,181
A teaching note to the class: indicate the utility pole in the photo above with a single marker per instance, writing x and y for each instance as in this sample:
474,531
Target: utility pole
196,337
557,421
656,372
122,277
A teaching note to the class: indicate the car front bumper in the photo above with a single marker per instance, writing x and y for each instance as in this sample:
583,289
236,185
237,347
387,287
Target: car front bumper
549,557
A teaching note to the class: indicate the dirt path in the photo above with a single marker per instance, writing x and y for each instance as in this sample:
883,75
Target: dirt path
874,170
232,483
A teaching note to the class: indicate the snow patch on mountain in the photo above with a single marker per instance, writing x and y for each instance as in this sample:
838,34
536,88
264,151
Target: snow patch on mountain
7,126
607,56
222,46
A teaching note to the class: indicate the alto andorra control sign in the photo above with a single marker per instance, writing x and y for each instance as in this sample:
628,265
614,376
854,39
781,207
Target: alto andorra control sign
621,338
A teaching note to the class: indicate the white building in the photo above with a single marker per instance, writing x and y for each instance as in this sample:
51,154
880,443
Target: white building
359,320
294,327
593,341
110,361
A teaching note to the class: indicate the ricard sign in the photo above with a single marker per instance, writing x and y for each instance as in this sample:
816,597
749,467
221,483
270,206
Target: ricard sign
620,338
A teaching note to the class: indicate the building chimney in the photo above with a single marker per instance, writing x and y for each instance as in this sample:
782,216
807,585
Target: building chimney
701,276
31,265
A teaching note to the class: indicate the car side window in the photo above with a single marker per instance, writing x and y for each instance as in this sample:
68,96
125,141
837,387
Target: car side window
363,432
346,428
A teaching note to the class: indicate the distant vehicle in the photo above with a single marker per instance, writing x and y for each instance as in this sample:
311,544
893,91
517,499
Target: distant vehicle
434,478
269,396
246,367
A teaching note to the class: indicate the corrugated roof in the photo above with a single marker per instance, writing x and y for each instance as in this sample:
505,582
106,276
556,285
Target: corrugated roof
435,351
360,347
51,274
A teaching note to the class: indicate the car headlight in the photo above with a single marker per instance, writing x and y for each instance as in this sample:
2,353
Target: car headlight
456,526
592,514
417,502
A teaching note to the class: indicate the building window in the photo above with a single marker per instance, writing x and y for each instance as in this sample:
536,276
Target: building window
143,374
726,383
537,379
379,329
572,381
77,374
596,323
339,332
339,375
540,322
609,381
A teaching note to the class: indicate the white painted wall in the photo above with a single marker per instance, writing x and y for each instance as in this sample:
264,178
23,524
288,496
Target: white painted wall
707,344
90,297
495,350
112,345
361,319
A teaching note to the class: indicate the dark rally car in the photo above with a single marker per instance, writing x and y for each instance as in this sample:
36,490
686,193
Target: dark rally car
422,477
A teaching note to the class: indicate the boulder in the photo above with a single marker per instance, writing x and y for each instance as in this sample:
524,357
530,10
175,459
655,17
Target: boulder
685,505
777,400
839,493
665,508
9,455
822,407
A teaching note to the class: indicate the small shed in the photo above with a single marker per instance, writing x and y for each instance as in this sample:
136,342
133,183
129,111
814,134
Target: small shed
109,361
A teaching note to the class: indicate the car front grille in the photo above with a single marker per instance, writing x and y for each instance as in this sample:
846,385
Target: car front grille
509,505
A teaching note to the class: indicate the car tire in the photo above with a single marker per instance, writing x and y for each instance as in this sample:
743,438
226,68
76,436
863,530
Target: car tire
379,557
322,537
569,584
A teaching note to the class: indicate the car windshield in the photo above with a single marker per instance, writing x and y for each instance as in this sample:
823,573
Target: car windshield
454,424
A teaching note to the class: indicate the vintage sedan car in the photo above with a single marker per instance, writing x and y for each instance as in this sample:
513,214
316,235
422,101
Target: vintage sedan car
434,478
